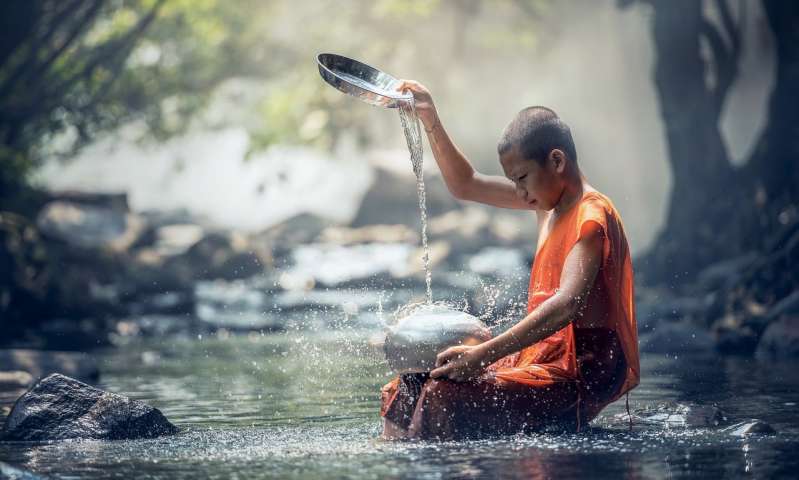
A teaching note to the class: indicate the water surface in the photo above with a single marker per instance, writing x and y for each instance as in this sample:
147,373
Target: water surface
303,404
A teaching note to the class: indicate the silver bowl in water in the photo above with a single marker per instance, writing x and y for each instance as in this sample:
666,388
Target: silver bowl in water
411,345
360,80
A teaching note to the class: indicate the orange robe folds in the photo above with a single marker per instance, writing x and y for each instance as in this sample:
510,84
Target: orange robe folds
564,380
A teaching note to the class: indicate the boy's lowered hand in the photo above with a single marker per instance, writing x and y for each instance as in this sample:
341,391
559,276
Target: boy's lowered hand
460,363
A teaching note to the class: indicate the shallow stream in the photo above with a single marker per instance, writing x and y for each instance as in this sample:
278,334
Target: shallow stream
302,404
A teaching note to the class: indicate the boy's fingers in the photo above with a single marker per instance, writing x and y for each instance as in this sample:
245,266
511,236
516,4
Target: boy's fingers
405,85
440,372
442,357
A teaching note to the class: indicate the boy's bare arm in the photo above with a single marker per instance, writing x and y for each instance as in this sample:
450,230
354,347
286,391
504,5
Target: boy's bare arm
462,180
578,275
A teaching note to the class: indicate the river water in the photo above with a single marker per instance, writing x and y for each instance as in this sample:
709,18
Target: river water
304,404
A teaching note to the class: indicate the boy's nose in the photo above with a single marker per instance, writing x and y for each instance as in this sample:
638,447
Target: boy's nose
522,193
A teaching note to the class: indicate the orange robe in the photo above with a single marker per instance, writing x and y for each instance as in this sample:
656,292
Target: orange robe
565,379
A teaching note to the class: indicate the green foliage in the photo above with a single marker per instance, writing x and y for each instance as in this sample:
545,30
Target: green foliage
73,69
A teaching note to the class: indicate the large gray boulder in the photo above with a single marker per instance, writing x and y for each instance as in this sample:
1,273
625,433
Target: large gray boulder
60,408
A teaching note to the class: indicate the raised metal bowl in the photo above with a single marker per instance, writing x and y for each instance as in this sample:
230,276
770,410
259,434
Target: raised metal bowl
360,80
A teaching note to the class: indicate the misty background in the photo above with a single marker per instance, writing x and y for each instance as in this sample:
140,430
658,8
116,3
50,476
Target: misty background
591,62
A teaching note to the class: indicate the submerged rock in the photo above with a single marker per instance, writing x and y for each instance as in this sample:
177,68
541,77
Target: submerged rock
671,415
60,408
750,427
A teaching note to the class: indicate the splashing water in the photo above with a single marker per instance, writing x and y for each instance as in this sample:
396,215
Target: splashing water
413,136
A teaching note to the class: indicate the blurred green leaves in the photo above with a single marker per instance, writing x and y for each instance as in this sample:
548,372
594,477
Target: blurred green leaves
73,69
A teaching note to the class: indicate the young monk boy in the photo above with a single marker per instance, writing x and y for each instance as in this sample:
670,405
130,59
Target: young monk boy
577,349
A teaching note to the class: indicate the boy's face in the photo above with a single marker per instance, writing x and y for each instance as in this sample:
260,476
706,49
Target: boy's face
540,185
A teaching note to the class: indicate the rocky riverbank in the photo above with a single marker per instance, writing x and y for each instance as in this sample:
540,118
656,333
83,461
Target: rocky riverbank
83,270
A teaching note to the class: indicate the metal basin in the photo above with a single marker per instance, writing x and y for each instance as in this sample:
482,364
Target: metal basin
411,345
360,80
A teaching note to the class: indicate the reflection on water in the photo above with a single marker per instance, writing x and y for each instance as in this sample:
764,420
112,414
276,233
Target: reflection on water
303,404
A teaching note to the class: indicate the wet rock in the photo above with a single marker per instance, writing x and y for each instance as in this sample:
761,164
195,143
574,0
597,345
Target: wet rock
670,415
781,339
750,427
298,230
391,199
60,408
89,227
705,416
176,239
42,363
225,255
675,338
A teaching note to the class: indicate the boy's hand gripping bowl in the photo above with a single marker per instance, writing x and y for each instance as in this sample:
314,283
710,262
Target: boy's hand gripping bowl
360,80
411,345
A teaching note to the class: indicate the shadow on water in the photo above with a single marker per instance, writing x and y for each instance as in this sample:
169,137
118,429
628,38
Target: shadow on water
303,404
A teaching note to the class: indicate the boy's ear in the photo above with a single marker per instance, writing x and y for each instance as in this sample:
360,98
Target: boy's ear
558,159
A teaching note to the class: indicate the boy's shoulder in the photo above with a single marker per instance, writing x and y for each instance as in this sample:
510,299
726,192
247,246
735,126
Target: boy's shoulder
597,206
595,198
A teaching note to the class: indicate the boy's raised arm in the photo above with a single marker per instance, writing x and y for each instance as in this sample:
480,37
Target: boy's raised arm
462,180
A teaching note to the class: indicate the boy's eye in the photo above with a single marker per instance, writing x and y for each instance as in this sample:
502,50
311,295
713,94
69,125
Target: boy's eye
522,177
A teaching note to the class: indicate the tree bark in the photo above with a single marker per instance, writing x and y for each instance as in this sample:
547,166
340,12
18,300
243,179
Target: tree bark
704,186
773,165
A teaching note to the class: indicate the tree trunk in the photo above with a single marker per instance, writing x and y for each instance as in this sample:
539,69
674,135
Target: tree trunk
704,189
773,166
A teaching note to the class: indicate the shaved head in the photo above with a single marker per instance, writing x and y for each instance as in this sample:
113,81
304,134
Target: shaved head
536,131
